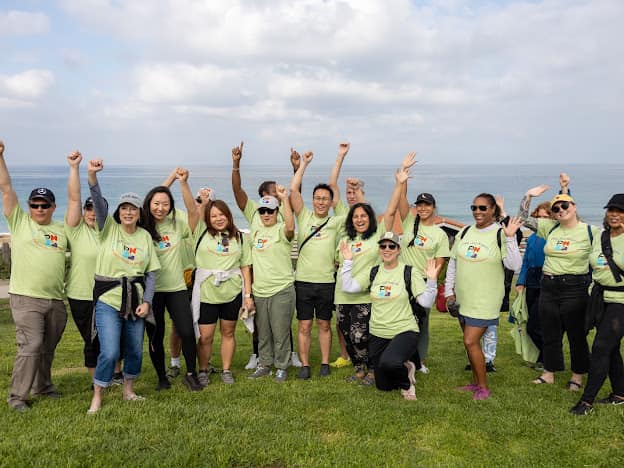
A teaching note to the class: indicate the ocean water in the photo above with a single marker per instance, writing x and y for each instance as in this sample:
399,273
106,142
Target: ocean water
454,186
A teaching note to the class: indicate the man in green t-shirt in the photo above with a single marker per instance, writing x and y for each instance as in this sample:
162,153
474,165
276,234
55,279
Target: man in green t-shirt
38,247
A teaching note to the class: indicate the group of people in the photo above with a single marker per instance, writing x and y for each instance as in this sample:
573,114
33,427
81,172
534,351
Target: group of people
127,268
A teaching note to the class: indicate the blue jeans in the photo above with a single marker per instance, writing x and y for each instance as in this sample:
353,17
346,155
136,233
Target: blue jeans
110,327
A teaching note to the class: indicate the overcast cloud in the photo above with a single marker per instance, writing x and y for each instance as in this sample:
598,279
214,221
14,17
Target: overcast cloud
184,80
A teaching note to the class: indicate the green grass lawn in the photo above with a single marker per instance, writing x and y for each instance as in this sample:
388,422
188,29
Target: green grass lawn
318,422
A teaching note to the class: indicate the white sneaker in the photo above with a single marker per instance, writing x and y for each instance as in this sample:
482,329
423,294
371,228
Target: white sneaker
294,360
423,369
253,362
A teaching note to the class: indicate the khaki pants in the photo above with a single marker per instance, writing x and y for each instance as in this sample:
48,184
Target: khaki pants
39,325
274,320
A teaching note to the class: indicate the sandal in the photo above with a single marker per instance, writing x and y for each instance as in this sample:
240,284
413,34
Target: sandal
133,397
540,380
409,394
367,381
573,386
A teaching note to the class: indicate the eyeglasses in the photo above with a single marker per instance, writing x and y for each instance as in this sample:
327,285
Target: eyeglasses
479,207
321,199
266,210
388,246
43,206
560,206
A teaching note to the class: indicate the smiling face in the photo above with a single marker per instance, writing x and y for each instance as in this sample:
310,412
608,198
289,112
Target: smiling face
160,206
321,202
484,212
389,252
41,210
564,211
361,221
615,218
128,215
218,219
351,198
425,210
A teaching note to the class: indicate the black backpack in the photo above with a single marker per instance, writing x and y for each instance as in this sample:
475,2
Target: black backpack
419,311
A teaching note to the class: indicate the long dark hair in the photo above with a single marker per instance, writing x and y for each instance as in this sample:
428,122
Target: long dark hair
492,201
416,225
223,208
147,218
372,221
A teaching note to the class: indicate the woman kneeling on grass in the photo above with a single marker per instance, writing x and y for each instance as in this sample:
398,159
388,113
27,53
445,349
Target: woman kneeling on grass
393,328
475,279
607,306
124,271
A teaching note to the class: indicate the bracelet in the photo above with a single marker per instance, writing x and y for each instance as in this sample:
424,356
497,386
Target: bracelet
236,169
247,296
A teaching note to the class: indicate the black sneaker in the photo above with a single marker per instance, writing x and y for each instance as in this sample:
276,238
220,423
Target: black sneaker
192,383
612,399
489,367
325,370
468,367
163,385
582,408
118,378
304,373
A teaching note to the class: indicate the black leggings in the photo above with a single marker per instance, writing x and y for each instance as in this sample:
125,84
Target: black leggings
353,323
82,312
606,358
177,303
533,327
562,304
388,356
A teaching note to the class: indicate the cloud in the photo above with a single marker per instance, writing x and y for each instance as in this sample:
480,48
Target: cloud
22,88
23,23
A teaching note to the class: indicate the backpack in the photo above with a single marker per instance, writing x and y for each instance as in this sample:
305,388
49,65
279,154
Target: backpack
419,311
589,232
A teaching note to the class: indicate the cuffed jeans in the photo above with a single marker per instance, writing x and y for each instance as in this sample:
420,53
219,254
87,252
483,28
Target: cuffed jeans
39,326
110,325
274,321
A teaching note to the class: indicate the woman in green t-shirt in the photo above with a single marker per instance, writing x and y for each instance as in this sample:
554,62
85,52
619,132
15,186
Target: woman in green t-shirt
169,235
607,305
393,327
475,280
565,279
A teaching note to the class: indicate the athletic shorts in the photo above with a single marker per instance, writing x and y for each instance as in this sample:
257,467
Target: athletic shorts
210,313
314,299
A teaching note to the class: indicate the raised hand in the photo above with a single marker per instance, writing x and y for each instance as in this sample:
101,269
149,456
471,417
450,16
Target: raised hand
295,159
401,175
307,157
409,160
537,191
345,250
182,174
281,191
432,271
343,149
512,227
564,180
206,195
1,148
74,158
500,202
237,153
95,165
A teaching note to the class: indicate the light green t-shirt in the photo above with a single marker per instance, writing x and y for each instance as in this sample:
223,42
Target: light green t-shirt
171,254
391,312
315,263
431,242
84,244
479,274
37,256
272,267
122,254
566,250
221,253
365,255
253,218
601,273
187,250
341,208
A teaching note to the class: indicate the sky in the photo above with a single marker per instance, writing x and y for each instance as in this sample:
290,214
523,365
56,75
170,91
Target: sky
183,81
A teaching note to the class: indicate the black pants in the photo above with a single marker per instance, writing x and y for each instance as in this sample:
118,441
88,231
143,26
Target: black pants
534,327
387,357
353,324
562,304
606,358
82,312
177,303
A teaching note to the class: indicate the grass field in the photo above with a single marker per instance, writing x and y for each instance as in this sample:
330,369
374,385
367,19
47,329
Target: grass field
314,423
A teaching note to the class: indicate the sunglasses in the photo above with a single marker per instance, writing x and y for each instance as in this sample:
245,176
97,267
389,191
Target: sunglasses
388,246
266,210
479,207
225,241
43,206
560,206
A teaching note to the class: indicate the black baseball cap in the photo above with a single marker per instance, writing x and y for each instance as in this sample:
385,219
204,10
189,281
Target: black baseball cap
616,201
425,198
43,193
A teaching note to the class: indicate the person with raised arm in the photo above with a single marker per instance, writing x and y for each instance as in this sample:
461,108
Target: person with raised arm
475,280
565,279
83,243
125,280
273,290
250,211
314,280
38,246
393,327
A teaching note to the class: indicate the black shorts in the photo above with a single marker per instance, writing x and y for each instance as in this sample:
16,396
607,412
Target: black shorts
210,313
314,299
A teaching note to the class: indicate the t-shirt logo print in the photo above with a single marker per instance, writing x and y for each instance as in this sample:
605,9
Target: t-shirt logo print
223,248
129,253
385,290
165,242
51,240
473,251
562,245
356,247
318,234
420,240
601,261
261,243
